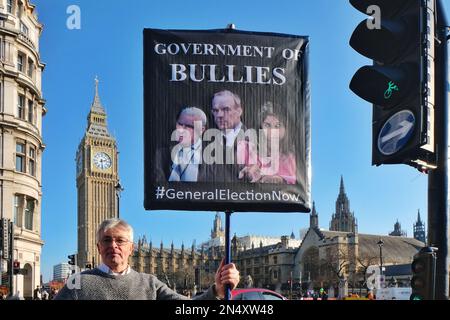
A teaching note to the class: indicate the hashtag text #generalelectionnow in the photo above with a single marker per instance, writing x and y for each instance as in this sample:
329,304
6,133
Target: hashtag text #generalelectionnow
225,195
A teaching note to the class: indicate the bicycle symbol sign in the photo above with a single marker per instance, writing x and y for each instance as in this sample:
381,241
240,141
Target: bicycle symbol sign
390,89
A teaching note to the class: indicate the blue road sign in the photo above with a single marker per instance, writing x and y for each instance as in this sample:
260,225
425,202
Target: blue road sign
396,132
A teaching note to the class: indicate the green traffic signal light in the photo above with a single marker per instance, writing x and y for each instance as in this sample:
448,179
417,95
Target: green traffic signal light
391,87
415,297
386,87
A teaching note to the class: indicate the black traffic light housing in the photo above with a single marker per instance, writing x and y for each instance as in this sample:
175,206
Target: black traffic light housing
72,259
16,267
400,81
424,274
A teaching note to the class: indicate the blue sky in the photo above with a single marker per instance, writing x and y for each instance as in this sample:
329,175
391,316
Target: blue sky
109,44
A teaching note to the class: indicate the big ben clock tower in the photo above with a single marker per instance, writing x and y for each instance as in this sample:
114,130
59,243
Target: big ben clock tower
97,176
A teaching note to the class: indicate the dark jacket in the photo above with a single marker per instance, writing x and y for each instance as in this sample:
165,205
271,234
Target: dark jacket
162,166
223,172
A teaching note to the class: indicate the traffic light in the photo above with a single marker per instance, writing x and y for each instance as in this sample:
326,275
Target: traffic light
72,259
424,274
16,267
399,38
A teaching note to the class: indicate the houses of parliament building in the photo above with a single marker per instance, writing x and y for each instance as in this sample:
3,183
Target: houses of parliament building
312,261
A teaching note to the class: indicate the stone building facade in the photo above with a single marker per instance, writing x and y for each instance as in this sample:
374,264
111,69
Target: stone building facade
22,108
268,266
339,260
178,268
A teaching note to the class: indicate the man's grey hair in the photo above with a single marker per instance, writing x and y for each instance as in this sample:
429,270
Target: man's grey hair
113,223
194,112
236,98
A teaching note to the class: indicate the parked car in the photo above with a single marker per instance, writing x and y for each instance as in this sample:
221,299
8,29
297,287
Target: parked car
256,294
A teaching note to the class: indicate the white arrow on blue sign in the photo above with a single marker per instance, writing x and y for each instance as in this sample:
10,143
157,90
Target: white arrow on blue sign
396,132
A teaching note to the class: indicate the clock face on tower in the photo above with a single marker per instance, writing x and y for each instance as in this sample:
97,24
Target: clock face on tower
102,160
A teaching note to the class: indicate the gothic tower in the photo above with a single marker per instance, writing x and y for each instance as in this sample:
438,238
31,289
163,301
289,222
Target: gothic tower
419,229
97,176
343,220
314,217
217,230
398,232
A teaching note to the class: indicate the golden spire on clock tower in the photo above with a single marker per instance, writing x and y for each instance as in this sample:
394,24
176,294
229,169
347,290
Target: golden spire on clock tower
97,176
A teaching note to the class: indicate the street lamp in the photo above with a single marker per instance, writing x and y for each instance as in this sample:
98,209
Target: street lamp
118,189
380,243
301,289
290,287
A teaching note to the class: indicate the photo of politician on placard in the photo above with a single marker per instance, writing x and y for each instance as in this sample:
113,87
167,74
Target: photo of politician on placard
276,155
226,121
181,161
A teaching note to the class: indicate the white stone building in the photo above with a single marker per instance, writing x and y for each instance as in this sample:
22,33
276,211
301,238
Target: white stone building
21,145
